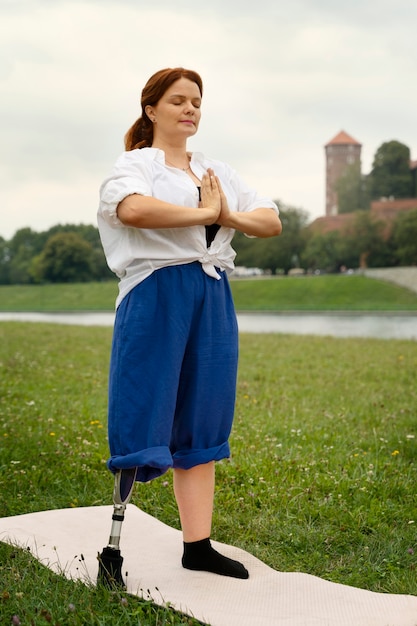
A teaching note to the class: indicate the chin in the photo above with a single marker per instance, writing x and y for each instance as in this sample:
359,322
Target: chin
190,130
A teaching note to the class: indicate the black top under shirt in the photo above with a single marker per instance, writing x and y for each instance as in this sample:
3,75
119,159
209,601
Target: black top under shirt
211,230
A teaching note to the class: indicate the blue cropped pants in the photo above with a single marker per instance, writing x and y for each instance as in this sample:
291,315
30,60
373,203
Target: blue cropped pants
173,370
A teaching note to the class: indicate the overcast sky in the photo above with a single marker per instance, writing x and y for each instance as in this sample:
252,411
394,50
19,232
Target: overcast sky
281,79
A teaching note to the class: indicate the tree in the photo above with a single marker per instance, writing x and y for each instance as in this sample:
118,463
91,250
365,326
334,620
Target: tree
4,261
328,252
404,238
368,243
293,239
414,181
23,246
391,174
89,233
352,190
66,258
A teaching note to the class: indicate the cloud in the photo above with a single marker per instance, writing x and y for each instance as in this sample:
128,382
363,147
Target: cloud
280,81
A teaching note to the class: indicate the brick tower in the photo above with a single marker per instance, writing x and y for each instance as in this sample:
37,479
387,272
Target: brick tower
341,152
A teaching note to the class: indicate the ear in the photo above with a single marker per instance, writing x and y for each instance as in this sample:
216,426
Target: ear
150,113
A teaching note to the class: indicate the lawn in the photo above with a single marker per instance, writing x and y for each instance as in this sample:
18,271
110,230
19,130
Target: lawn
322,477
307,293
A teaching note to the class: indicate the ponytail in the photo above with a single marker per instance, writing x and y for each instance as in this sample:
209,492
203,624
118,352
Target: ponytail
140,135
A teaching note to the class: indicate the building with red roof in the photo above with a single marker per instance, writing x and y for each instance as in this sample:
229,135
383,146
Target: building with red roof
341,152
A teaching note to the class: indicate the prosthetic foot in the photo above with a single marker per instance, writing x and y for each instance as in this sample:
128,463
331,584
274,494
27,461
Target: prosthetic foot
110,560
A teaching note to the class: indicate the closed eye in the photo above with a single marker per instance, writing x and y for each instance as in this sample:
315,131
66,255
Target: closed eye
178,101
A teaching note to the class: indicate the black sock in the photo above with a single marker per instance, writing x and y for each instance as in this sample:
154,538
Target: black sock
200,555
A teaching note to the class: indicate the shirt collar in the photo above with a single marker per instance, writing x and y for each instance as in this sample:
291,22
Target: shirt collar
197,158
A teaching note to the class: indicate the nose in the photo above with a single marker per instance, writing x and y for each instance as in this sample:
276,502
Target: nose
189,107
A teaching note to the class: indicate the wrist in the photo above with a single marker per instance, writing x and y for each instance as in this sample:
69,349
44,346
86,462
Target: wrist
231,220
208,216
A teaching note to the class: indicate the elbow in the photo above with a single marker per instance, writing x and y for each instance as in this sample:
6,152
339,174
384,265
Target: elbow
128,213
277,230
274,229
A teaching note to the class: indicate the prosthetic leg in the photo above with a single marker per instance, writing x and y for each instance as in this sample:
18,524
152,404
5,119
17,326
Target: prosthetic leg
110,560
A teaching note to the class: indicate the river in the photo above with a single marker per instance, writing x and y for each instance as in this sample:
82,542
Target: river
380,326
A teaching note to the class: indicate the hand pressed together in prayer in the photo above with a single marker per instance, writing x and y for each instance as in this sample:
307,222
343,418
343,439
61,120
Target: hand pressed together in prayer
212,195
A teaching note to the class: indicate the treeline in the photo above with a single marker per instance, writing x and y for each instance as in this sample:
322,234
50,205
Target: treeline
63,254
366,242
73,253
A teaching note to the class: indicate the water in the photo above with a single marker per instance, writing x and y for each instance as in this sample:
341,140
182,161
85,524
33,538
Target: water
382,326
377,326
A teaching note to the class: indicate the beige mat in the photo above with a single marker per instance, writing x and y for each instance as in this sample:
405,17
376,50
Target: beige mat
68,541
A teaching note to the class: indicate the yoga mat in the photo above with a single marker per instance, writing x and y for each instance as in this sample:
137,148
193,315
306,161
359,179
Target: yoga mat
68,541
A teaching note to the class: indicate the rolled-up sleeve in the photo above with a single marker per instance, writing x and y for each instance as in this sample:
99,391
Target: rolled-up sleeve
131,174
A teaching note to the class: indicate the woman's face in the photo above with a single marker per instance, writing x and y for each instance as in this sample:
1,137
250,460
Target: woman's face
177,114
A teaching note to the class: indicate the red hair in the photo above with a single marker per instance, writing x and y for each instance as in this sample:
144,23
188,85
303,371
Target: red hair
140,135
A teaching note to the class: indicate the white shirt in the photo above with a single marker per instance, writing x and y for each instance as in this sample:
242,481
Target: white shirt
134,253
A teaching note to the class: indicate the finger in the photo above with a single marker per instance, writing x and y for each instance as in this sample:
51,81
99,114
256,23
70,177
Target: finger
218,183
212,177
206,180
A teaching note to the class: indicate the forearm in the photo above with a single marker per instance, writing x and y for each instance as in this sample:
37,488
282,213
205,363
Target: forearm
147,212
262,222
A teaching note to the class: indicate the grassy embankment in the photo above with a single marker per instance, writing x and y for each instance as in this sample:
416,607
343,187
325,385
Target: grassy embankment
322,478
313,293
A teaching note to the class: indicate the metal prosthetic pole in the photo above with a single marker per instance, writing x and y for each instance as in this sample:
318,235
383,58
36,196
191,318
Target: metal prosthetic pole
110,560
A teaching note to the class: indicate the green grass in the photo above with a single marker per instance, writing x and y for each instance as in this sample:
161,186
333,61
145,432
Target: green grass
307,293
322,477
59,297
322,293
34,595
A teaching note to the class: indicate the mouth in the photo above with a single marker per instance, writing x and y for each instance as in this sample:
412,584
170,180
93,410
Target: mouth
190,122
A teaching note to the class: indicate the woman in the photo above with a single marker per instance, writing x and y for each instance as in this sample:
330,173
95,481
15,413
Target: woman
166,220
